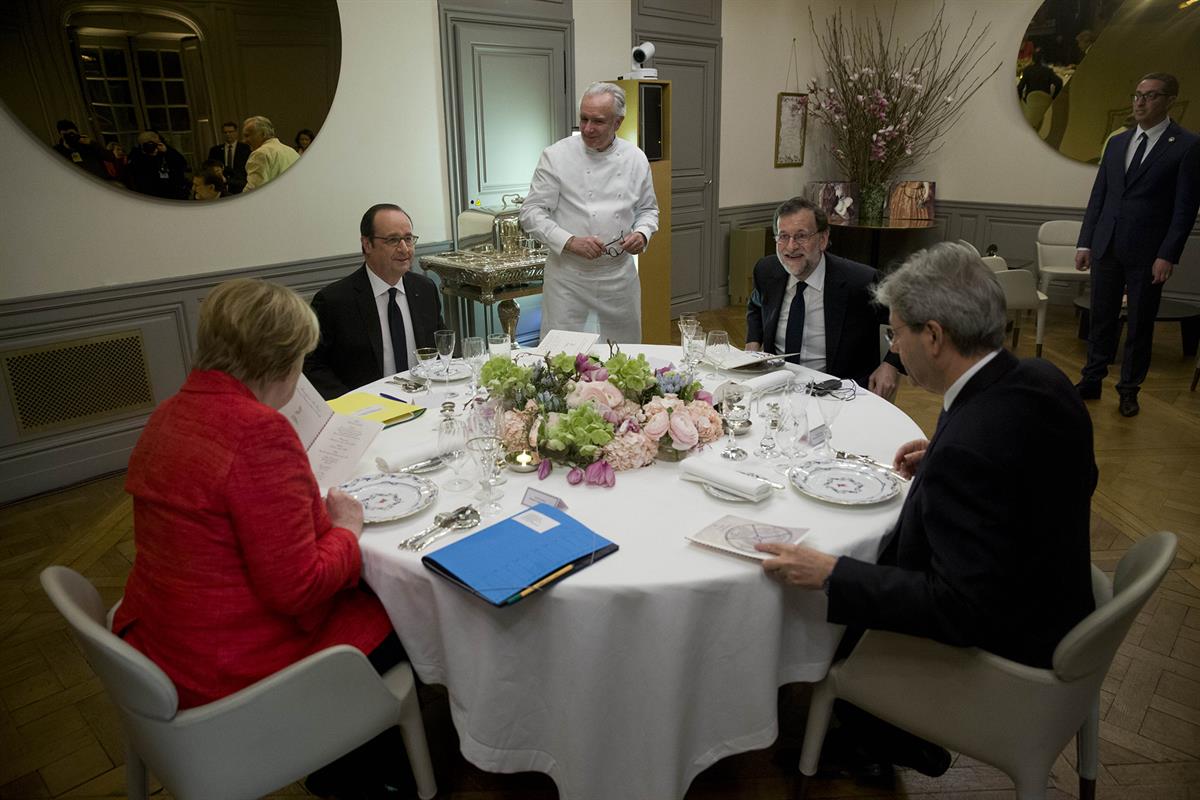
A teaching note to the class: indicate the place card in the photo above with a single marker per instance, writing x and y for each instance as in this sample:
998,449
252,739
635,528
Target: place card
534,496
817,436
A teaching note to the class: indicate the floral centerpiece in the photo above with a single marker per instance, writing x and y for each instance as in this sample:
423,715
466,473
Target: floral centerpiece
597,417
885,104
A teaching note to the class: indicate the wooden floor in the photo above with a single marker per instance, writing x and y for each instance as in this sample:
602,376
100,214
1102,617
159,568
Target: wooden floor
59,736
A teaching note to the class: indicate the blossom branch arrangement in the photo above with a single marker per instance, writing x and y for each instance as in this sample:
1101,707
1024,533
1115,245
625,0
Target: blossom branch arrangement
598,418
887,105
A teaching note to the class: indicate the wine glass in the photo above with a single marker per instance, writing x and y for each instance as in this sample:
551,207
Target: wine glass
716,348
830,401
452,448
475,353
423,372
444,342
796,403
485,450
734,410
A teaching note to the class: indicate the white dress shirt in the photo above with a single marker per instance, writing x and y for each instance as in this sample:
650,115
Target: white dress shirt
379,288
1152,137
812,348
956,387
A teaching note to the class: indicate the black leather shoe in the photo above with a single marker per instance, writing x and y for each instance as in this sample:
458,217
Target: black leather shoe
1088,390
1129,405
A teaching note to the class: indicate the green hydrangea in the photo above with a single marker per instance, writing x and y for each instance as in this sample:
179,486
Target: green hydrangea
507,380
633,376
578,436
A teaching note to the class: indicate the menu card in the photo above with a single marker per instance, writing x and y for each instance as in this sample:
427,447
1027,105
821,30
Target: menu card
571,342
335,443
738,535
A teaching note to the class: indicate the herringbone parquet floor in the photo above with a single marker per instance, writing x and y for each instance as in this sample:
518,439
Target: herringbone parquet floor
59,736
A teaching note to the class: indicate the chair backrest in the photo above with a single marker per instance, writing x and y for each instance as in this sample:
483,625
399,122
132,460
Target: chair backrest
1020,290
1091,645
1056,243
131,679
995,263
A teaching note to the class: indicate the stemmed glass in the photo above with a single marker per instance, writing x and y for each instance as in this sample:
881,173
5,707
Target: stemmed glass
689,328
831,399
444,341
426,356
796,402
734,410
770,411
452,447
716,347
486,451
475,353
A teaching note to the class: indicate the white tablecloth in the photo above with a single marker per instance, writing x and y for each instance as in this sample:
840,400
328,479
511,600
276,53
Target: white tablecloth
632,676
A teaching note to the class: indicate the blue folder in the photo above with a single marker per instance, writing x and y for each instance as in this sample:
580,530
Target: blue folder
520,555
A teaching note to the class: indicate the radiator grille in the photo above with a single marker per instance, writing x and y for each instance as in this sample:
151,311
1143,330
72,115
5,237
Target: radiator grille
77,382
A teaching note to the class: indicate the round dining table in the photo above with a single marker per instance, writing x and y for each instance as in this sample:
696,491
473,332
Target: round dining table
629,677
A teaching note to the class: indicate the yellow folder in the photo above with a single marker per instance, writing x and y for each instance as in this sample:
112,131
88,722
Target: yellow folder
372,406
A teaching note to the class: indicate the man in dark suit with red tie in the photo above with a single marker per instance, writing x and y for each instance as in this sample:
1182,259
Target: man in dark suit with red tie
232,154
1142,208
373,320
816,305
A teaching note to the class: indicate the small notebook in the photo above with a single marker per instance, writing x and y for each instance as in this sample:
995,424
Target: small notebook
525,553
737,536
372,406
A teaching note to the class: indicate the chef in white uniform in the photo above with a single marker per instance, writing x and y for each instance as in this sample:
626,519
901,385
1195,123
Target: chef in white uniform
592,203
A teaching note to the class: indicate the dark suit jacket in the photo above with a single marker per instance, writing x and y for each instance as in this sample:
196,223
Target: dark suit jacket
350,352
852,319
1150,215
991,549
237,178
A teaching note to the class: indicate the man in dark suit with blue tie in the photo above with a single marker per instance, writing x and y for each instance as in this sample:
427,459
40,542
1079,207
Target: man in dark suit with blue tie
816,305
373,320
1142,208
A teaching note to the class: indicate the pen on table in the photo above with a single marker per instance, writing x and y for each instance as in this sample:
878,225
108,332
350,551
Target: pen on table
390,397
553,576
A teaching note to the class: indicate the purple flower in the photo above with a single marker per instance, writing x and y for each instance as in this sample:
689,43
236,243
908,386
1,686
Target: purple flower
544,469
599,473
575,476
664,370
705,396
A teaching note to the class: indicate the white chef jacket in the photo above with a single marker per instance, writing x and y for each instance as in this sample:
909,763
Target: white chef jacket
577,191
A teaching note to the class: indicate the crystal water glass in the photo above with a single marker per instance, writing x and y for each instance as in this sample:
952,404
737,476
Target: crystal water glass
452,448
734,402
499,345
796,399
426,360
716,348
486,450
831,401
444,342
771,412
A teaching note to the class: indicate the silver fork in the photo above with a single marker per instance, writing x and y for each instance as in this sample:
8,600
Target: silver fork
446,521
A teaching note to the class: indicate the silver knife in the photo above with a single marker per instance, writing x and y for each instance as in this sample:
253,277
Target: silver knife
767,481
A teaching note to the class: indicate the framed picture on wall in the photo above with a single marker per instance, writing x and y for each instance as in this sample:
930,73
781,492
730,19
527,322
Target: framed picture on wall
911,200
838,199
791,123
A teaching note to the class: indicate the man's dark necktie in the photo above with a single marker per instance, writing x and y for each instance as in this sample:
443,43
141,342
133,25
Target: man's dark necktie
396,327
795,325
1138,154
229,156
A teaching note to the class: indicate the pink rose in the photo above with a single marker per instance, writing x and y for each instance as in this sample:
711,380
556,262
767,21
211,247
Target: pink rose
600,392
707,421
705,396
683,431
657,425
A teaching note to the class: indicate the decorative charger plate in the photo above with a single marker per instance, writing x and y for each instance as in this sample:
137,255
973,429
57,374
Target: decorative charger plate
721,494
743,537
459,371
847,483
386,497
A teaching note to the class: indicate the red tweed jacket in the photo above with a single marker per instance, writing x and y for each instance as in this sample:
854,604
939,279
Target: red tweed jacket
239,571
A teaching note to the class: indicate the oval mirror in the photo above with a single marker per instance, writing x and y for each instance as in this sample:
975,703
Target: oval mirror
151,99
1081,59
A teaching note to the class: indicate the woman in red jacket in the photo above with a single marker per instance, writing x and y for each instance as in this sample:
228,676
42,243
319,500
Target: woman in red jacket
242,568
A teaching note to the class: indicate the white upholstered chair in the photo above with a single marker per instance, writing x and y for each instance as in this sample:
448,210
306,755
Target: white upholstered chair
254,741
1034,107
995,263
1012,716
1056,254
1022,295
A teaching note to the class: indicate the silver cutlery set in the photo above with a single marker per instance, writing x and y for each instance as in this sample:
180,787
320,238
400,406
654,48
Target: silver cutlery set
460,519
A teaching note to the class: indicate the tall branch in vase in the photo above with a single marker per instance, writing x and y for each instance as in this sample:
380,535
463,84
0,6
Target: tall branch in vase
887,105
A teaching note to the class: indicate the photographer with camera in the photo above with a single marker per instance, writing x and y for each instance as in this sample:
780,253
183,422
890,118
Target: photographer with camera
157,169
80,149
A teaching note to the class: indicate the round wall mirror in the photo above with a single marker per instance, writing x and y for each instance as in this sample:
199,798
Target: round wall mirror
1080,60
151,99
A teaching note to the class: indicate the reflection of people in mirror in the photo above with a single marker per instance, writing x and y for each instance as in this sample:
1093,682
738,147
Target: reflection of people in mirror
269,157
232,154
304,137
79,149
207,186
157,169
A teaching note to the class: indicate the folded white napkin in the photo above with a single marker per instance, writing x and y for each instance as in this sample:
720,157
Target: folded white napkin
695,469
770,380
409,455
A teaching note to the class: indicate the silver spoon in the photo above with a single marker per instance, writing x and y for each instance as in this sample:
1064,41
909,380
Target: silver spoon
439,522
466,521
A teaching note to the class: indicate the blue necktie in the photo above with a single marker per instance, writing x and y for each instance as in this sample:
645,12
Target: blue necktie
795,325
396,327
1138,154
